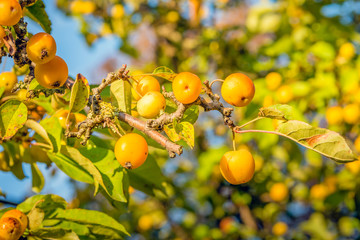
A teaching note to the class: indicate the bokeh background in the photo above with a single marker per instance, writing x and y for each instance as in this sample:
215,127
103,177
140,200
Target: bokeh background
301,53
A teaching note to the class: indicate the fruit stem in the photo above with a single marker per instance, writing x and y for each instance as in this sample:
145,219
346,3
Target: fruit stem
214,81
233,140
132,86
277,133
254,120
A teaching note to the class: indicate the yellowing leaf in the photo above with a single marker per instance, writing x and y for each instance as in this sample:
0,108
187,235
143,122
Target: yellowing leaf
323,141
80,92
13,115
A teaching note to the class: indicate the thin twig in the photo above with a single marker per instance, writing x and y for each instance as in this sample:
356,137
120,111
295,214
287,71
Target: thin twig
215,104
245,124
8,203
214,81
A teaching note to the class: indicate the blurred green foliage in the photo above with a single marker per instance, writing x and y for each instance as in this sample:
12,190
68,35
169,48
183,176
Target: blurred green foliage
316,57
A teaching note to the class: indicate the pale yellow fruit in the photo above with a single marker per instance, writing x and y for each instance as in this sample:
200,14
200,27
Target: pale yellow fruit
151,104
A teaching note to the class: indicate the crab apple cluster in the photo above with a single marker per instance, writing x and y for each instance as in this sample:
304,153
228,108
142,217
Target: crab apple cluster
131,150
51,71
13,225
237,167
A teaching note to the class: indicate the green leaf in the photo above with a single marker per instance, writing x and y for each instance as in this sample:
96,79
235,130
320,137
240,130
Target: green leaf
191,114
121,93
186,132
148,177
181,131
55,233
171,133
38,14
34,85
84,163
2,90
164,72
80,92
17,170
38,180
81,230
48,203
278,111
323,50
112,174
15,160
92,219
39,130
2,194
54,131
36,216
71,168
326,142
13,115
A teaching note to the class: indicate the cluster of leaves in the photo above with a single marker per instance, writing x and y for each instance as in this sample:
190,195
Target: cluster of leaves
49,218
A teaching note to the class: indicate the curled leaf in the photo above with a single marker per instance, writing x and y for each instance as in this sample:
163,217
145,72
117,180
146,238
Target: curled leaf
326,142
79,94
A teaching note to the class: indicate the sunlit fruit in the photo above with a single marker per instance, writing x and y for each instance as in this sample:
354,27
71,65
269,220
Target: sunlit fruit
347,50
151,104
22,94
145,222
145,85
279,192
41,48
268,101
238,90
2,32
10,228
352,113
8,80
353,167
62,116
10,12
79,117
131,150
279,228
273,80
186,87
52,74
284,94
319,192
227,224
2,35
117,11
357,144
334,115
82,7
237,167
19,216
